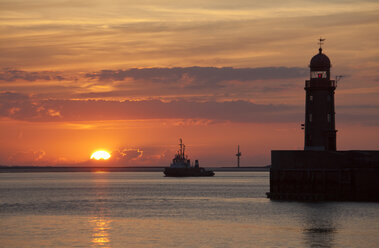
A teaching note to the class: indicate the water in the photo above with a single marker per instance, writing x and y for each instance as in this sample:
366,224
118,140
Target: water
145,209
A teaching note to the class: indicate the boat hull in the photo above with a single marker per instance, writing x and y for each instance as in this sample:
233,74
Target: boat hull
187,172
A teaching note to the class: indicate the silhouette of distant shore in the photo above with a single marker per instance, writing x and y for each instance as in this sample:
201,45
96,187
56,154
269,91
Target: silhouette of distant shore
24,169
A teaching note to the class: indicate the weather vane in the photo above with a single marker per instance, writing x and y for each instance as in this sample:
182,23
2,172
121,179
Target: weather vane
321,42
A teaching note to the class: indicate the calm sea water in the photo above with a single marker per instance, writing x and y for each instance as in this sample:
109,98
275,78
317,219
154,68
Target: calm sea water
138,209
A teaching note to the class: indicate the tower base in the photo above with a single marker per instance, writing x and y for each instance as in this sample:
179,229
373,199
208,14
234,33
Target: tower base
324,175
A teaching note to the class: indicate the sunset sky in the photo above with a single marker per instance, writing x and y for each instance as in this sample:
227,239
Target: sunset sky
132,77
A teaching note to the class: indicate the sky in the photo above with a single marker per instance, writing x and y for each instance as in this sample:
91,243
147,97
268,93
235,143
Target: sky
132,77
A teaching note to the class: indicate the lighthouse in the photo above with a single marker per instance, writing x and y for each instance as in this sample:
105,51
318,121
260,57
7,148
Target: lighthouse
320,132
320,172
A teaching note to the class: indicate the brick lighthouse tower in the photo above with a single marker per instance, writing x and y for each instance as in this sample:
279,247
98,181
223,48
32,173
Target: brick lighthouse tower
320,132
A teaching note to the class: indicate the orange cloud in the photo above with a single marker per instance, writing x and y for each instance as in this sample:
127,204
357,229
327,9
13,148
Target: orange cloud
124,155
26,157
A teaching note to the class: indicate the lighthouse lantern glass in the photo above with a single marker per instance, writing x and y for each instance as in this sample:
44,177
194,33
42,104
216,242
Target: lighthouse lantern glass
318,74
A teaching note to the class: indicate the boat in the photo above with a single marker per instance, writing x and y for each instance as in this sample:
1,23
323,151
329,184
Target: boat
181,166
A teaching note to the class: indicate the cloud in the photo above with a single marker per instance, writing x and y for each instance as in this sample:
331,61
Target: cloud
154,83
195,76
25,108
186,112
123,155
10,75
189,82
13,97
27,157
178,34
145,156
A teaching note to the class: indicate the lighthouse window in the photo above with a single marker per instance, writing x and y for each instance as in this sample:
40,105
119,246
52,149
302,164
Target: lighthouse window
310,117
311,98
318,74
328,117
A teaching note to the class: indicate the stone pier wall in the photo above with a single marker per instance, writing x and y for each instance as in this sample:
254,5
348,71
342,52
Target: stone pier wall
324,175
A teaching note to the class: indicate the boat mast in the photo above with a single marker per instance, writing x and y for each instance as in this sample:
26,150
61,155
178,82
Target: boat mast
181,148
184,148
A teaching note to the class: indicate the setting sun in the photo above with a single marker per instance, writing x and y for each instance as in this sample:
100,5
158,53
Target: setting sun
100,155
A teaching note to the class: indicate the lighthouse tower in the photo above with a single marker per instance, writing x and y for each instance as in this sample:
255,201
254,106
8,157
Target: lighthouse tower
320,172
320,132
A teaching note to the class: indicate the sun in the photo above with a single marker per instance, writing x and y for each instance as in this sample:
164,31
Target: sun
100,155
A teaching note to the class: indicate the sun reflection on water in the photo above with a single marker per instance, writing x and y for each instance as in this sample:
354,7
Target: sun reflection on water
100,171
100,236
100,222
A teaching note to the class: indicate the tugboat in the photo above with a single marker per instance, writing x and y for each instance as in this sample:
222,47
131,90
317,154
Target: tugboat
181,166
